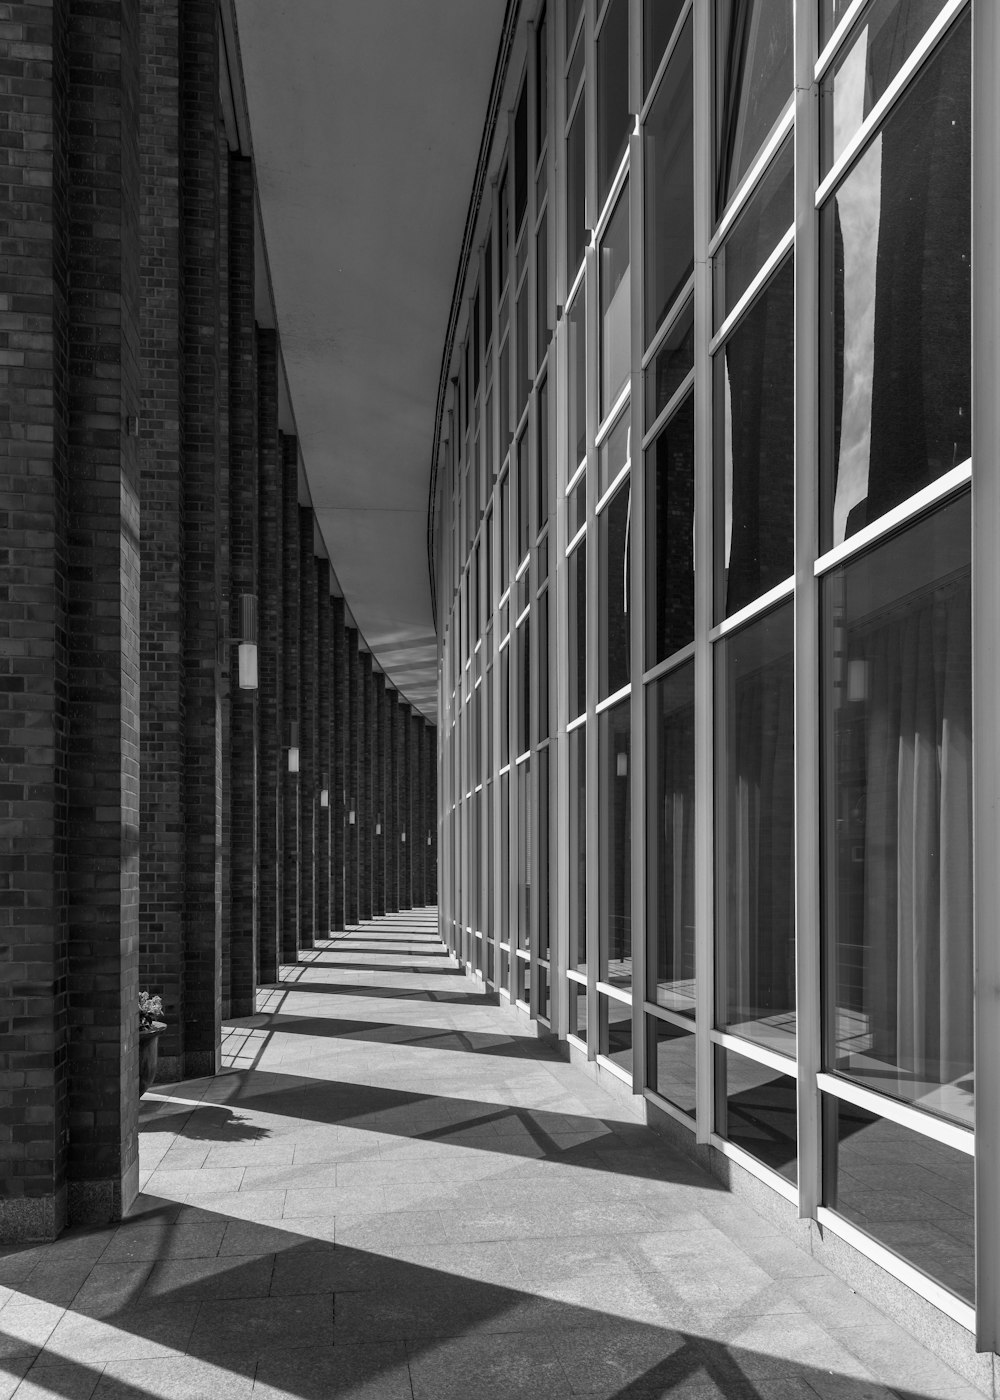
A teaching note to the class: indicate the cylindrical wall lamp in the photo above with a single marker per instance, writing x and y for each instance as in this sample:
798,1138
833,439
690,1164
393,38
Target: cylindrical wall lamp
247,666
293,746
403,838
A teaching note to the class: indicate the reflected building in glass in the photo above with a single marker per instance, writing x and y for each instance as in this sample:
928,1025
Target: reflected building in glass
723,596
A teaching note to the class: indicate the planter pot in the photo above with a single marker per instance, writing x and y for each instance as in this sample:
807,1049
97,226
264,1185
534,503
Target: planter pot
149,1049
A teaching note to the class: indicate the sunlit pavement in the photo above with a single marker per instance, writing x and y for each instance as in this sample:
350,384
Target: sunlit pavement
394,1191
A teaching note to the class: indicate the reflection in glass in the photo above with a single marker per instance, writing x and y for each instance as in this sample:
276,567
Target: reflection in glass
672,363
615,311
576,511
504,528
896,242
544,992
755,441
543,876
542,474
613,452
576,386
543,329
670,1063
613,525
524,689
913,1195
670,537
505,706
755,63
658,20
612,95
898,687
615,848
668,136
755,1109
523,497
576,188
755,955
524,854
577,1010
757,231
578,847
867,64
520,160
577,630
504,874
670,840
616,1031
831,12
542,610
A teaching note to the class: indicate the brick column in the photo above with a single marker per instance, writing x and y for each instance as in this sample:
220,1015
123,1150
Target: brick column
378,794
431,816
102,616
291,573
405,788
418,842
163,746
339,730
243,555
202,520
33,666
366,821
227,679
308,786
352,768
324,775
270,632
390,823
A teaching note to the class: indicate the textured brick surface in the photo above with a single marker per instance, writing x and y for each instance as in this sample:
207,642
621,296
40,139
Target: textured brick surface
353,775
390,827
291,585
243,555
366,820
308,712
378,794
324,716
270,656
338,743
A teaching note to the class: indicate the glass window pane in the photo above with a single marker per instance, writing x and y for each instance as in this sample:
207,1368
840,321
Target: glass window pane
523,382
755,447
542,474
831,12
541,81
668,136
613,525
671,365
543,875
524,689
616,1031
615,850
521,160
524,853
658,20
577,509
755,956
578,1010
503,407
523,496
910,1193
755,1109
616,324
767,217
576,191
670,840
898,688
670,1063
614,452
504,230
578,848
755,66
577,630
612,96
670,537
542,608
867,64
504,527
577,383
896,242
574,8
543,329
488,291
504,871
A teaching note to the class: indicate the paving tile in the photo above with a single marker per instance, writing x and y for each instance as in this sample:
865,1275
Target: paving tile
164,1241
26,1325
243,1329
147,1332
488,1368
317,1373
12,1368
60,1380
179,1377
198,1280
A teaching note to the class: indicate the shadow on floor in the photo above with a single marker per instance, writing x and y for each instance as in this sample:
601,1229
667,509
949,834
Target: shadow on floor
395,1033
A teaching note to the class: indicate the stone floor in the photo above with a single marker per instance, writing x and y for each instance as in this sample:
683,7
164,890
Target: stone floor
392,1192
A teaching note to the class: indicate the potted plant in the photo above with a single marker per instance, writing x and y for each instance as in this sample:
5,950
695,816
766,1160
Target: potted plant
150,1008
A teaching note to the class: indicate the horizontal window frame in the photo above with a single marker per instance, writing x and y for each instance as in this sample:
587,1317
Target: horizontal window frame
918,1120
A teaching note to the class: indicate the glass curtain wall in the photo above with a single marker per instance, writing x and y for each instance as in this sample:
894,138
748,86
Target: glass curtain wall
679,580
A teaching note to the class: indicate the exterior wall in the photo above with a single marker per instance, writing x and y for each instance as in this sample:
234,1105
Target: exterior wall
271,662
308,709
291,703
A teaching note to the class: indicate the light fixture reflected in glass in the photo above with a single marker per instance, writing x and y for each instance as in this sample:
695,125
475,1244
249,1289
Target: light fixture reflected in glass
248,665
247,662
293,747
324,798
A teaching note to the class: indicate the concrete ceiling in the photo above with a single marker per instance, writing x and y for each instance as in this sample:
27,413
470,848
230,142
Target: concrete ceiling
366,118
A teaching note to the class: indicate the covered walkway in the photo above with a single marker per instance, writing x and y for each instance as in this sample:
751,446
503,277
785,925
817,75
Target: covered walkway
394,1191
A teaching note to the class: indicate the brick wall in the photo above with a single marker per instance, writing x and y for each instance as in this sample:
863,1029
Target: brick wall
339,733
366,819
324,717
291,584
308,787
353,775
270,629
390,826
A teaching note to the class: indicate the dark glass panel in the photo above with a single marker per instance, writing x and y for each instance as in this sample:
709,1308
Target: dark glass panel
503,407
504,230
755,956
577,836
523,497
520,159
755,1109
755,71
670,840
831,12
577,383
668,135
615,845
574,73
755,447
523,380
542,503
578,1010
525,873
504,873
541,80
613,545
613,452
524,689
913,1195
658,20
896,322
612,95
670,1063
865,66
573,11
504,969
576,191
616,1031
504,528
543,329
488,291
898,715
670,366
670,537
616,322
475,344
542,608
544,993
544,874
578,630
578,506
505,706
765,219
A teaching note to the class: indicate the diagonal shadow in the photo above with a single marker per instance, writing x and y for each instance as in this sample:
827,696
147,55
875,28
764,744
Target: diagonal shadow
408,967
188,1299
394,1033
